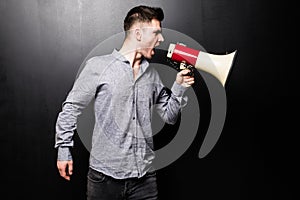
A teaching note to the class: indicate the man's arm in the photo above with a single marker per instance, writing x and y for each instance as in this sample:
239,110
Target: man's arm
79,97
169,103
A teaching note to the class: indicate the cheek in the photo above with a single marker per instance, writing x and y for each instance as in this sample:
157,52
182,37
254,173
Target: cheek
150,41
153,41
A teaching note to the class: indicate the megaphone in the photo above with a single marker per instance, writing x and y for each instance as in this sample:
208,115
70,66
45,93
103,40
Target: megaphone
217,65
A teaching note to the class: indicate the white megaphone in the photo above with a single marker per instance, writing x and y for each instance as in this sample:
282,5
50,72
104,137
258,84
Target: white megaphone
217,65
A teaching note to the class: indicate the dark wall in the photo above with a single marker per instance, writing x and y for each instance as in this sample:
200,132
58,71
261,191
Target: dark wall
43,43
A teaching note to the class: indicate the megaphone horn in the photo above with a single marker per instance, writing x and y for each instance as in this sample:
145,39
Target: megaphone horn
217,65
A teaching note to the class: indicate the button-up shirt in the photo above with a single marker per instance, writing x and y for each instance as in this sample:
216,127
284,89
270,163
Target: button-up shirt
122,143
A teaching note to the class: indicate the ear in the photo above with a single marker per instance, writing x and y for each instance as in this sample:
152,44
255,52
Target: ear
138,34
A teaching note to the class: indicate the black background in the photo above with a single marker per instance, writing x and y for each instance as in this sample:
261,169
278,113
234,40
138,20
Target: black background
43,44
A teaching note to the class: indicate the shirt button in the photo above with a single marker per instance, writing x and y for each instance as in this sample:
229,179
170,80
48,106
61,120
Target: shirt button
133,118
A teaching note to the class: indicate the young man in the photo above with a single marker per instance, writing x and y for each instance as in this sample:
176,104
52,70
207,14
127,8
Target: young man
125,89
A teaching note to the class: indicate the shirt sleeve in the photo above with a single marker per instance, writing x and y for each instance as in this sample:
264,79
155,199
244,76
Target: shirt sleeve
83,91
170,102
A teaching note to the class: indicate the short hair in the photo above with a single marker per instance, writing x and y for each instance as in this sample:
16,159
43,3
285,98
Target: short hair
142,14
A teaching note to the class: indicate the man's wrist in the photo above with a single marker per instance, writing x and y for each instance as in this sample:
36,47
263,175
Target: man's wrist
178,89
64,154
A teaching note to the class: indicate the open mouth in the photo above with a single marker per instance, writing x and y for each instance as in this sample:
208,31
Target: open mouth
153,51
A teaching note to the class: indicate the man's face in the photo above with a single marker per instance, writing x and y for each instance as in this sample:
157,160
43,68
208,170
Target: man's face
151,37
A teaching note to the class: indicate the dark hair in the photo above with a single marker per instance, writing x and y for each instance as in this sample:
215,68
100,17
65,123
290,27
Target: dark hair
142,14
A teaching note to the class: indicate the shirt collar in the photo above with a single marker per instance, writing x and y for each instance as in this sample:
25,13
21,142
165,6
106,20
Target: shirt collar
119,56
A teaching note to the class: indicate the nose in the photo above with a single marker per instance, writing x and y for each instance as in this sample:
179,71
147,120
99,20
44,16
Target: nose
161,38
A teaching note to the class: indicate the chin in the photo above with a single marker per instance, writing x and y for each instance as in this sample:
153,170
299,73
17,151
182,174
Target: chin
148,56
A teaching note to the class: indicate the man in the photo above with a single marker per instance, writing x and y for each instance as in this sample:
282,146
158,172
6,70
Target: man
125,89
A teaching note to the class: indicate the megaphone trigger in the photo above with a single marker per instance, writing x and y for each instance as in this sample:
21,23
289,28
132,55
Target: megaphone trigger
191,72
183,65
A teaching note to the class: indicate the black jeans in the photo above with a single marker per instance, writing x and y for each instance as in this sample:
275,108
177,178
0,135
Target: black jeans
102,187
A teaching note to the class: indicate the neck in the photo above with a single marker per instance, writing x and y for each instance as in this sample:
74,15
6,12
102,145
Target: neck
130,52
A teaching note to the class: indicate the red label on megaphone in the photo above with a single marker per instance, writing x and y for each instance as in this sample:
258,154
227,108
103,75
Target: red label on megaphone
183,53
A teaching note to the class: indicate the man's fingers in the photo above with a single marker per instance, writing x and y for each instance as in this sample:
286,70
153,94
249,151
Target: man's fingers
188,79
190,82
65,169
63,173
184,79
184,72
70,168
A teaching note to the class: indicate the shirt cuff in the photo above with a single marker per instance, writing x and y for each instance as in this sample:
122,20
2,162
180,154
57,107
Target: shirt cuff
178,90
64,154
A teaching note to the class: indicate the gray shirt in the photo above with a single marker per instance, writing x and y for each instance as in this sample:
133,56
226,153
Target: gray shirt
122,143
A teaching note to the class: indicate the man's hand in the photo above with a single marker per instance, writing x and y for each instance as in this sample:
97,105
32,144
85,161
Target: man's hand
65,169
183,79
